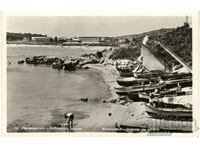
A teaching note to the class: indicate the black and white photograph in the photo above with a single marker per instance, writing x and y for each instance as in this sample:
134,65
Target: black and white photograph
100,74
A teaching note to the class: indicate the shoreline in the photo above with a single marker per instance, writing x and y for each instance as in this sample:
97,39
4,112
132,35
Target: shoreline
61,45
109,75
65,46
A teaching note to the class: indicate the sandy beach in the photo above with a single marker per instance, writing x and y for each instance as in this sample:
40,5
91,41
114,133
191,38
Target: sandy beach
99,119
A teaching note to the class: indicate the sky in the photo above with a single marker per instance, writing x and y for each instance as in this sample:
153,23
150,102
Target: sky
70,26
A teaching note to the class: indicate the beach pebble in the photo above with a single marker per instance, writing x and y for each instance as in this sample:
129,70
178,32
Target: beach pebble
21,62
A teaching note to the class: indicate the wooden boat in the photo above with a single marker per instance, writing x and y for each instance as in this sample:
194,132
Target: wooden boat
182,113
131,81
144,96
168,76
174,83
136,89
183,101
163,75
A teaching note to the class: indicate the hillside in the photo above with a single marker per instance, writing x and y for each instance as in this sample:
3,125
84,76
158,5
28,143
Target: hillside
177,39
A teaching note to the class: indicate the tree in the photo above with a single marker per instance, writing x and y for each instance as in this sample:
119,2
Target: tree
56,39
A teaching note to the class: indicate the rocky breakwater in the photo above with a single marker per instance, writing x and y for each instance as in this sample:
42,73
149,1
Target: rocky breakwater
67,62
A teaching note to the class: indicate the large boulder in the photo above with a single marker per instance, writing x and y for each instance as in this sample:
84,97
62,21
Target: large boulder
50,60
29,60
57,65
69,65
99,54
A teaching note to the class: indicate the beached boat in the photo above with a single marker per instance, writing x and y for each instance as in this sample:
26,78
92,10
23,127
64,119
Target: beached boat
162,75
135,89
183,101
181,82
144,96
131,81
173,112
168,76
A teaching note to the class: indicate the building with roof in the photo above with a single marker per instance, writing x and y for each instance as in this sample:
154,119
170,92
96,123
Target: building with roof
40,39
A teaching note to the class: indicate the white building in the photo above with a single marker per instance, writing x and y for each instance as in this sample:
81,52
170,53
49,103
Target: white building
40,39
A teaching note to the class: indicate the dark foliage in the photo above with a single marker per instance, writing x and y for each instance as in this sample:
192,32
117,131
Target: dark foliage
19,36
179,40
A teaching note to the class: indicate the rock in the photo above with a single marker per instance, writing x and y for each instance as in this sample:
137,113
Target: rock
113,101
101,61
29,60
99,54
85,67
104,101
122,102
78,67
84,99
21,62
41,58
50,60
57,65
69,65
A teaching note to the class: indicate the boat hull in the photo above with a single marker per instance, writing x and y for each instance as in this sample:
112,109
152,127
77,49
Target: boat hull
182,83
131,81
135,89
155,112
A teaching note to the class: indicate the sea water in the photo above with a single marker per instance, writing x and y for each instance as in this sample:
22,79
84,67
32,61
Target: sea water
39,95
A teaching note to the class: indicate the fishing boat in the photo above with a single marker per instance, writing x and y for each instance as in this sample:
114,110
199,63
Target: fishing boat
176,107
144,96
181,82
183,101
135,89
176,113
163,75
131,81
183,75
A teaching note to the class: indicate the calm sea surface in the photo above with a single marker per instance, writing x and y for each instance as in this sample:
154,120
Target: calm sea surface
40,95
